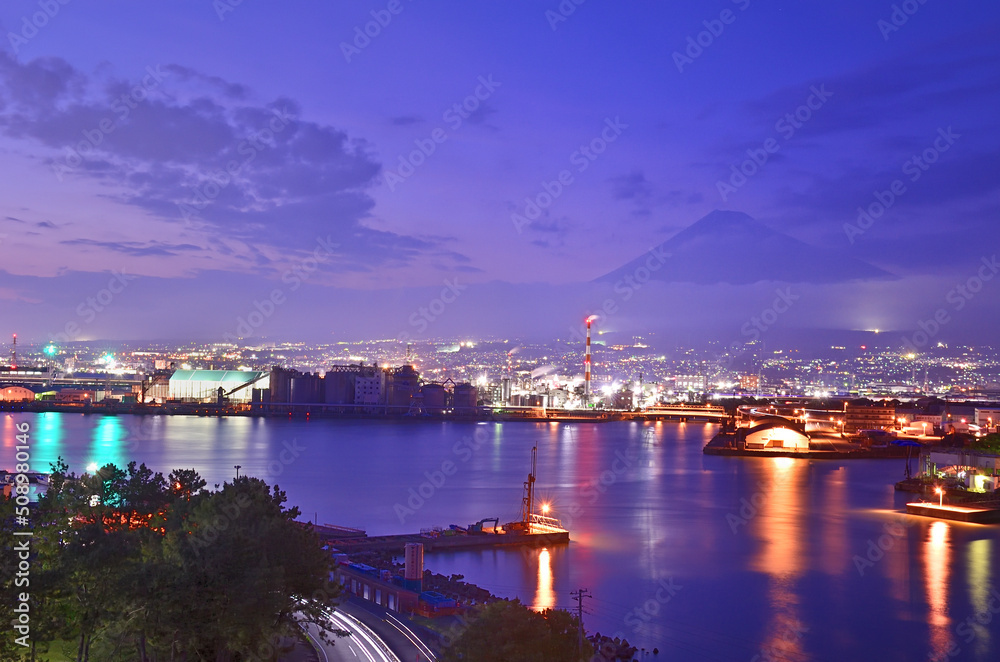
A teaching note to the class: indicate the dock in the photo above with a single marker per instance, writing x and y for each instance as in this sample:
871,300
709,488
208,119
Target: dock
976,515
821,447
532,530
538,537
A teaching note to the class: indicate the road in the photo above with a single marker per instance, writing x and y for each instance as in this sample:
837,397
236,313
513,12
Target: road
374,638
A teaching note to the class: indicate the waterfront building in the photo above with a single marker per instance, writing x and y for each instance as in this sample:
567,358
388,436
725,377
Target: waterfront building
773,434
399,386
376,586
205,385
979,471
988,419
16,394
867,416
368,390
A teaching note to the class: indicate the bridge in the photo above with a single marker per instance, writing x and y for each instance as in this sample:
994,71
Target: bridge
679,412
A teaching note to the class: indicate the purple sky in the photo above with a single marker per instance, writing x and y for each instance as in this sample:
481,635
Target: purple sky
117,122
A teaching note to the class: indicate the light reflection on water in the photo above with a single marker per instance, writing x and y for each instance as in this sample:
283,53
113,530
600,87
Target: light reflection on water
787,578
937,565
545,597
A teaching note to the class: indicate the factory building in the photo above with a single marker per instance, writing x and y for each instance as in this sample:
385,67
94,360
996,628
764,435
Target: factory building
205,385
861,415
466,398
280,384
399,386
306,388
434,398
16,394
368,390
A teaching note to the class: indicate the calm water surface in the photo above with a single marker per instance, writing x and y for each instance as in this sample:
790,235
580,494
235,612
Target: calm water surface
706,558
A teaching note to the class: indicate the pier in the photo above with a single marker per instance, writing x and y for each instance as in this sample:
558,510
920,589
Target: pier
439,541
983,514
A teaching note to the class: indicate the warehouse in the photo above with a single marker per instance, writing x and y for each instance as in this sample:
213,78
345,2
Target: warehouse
204,385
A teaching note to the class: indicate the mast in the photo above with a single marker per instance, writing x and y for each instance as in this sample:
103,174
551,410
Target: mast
529,492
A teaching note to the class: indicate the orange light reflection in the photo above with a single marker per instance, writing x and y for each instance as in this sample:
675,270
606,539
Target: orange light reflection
545,597
937,561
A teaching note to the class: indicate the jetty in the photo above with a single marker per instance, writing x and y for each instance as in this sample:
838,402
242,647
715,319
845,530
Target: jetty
975,514
531,530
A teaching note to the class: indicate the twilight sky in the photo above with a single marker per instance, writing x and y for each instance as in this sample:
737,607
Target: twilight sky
519,150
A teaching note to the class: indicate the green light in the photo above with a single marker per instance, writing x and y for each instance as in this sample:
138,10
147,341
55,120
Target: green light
50,350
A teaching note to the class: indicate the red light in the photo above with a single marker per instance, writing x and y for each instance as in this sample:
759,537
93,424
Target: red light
864,347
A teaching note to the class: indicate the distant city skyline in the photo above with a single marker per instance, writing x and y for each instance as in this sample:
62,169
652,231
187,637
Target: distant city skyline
218,171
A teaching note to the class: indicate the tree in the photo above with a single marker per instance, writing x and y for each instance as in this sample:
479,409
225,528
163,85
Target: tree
507,630
133,566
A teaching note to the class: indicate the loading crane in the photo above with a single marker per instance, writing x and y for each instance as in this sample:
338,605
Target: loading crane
478,526
223,395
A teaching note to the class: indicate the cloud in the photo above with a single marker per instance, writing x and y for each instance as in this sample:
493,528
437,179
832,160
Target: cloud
406,120
480,115
197,150
633,186
135,248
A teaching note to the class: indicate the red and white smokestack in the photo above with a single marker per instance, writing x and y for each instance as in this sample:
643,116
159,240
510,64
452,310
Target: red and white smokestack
586,365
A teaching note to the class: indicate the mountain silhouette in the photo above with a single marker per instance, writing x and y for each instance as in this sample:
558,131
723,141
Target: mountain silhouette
734,248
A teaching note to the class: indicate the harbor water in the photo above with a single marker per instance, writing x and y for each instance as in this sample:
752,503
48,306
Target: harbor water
705,558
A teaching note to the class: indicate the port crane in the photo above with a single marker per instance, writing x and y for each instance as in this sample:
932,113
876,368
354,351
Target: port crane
223,395
532,522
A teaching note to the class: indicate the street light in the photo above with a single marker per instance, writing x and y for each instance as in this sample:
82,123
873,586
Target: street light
237,467
940,492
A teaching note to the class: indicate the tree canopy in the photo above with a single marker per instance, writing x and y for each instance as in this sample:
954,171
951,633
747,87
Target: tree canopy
507,630
129,565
